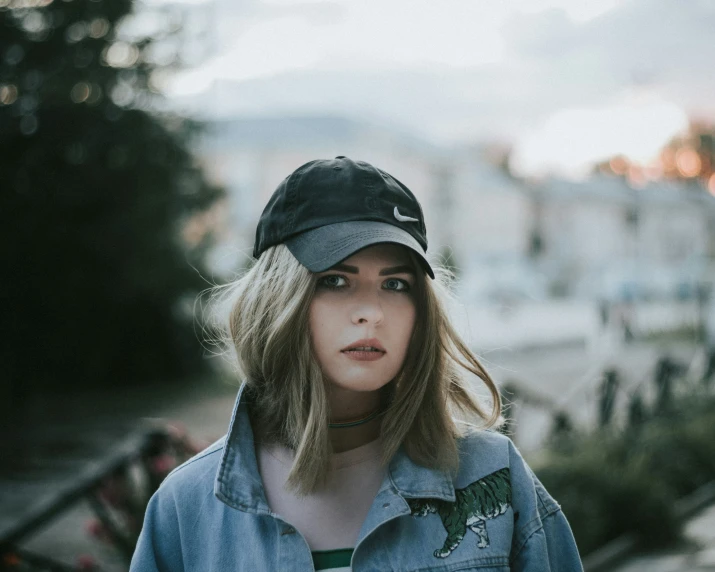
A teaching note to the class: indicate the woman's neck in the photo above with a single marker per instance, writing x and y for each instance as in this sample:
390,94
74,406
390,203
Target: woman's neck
345,439
345,408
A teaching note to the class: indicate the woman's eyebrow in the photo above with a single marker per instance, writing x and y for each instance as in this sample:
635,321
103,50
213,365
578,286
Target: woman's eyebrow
402,269
346,268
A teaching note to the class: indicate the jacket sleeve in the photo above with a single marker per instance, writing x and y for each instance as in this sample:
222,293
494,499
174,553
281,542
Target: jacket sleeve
543,541
550,548
159,546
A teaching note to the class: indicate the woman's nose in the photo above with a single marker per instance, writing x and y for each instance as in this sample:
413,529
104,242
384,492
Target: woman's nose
367,310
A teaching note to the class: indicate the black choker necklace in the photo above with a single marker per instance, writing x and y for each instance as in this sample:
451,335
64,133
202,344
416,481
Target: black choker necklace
354,422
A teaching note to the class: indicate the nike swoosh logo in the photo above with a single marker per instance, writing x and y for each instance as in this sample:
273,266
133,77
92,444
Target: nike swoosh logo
402,218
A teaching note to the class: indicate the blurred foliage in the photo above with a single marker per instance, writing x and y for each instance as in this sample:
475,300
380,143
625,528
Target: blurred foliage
614,482
686,157
96,187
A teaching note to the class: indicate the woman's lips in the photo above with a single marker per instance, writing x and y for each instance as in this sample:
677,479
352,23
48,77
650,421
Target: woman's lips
362,355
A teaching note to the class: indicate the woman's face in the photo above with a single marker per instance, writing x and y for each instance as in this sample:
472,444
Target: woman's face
362,317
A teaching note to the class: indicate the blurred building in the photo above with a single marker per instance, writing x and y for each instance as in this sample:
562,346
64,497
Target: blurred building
601,237
509,238
491,228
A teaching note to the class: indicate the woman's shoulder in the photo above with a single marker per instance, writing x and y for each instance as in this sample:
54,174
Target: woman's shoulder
492,473
198,471
486,454
481,449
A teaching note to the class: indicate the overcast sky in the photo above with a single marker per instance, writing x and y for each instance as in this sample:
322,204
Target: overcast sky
565,81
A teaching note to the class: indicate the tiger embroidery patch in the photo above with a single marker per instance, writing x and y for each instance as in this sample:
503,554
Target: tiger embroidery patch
484,499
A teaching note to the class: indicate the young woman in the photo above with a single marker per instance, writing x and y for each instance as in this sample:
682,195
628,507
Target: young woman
345,451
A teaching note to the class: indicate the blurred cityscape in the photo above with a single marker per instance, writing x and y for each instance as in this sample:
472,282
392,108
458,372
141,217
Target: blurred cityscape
564,155
538,260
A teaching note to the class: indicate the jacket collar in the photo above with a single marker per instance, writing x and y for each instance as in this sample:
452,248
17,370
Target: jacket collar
238,482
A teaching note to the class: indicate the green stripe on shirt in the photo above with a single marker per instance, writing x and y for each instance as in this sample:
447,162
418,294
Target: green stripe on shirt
329,559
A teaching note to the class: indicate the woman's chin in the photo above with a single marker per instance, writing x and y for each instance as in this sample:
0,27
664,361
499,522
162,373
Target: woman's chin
360,385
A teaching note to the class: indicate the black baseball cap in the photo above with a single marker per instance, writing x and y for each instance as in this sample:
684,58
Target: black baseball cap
327,210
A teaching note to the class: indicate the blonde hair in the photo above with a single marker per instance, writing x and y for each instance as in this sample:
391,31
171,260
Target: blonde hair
263,318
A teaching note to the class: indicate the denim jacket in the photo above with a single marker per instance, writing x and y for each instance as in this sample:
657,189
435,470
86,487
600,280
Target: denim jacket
211,515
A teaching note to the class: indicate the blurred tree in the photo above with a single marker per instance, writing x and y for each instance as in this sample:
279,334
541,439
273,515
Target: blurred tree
97,188
688,157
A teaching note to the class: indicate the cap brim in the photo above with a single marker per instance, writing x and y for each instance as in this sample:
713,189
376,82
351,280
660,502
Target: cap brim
322,248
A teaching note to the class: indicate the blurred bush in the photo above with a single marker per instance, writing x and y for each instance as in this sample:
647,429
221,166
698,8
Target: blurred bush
96,186
613,482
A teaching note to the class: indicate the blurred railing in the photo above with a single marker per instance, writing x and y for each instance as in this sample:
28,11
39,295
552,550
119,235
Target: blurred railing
652,396
669,377
117,487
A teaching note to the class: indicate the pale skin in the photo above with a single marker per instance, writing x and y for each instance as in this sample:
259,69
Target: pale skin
368,296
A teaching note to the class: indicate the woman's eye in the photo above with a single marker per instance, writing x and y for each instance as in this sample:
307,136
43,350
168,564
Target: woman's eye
397,284
333,281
